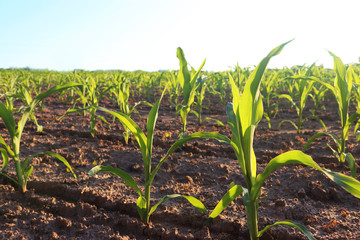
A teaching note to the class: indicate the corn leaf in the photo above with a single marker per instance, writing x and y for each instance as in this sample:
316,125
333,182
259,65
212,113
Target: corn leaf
348,183
233,193
7,147
251,111
234,124
35,102
297,157
151,121
289,121
349,121
69,111
8,119
319,134
127,122
341,88
27,173
57,156
215,120
5,159
141,208
128,180
195,202
183,75
298,226
195,76
351,161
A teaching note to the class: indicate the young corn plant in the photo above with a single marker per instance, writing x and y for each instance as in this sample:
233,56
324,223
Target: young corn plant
356,89
303,86
240,76
9,88
24,96
12,150
188,85
318,95
269,92
200,95
244,114
174,90
121,91
342,91
90,93
146,143
218,85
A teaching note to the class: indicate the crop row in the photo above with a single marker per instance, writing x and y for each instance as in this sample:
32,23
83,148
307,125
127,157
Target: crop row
254,92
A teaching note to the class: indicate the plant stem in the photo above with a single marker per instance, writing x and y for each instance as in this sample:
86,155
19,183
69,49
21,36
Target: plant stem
342,149
252,219
19,174
147,198
147,187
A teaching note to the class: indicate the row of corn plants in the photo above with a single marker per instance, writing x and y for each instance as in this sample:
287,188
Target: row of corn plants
244,114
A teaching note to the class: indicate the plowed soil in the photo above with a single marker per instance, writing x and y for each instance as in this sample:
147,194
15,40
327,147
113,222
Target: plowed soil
58,206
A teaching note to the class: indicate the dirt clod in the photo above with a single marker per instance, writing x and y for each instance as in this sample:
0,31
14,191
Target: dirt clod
61,222
280,202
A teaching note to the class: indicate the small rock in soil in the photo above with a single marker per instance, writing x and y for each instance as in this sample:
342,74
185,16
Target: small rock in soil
319,193
53,235
136,168
61,222
301,193
280,202
174,233
187,179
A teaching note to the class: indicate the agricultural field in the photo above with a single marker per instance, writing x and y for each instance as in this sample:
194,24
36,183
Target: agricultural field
169,155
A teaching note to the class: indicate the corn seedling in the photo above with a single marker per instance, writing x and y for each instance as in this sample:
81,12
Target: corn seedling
9,88
146,143
342,91
121,91
24,96
174,90
268,93
219,85
200,95
90,93
240,76
356,89
302,87
318,95
244,114
188,85
22,167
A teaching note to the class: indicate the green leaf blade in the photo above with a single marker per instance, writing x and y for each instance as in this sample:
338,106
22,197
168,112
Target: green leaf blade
296,225
233,193
192,200
128,180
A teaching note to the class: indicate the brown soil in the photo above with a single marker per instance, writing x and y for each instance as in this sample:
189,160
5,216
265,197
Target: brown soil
58,206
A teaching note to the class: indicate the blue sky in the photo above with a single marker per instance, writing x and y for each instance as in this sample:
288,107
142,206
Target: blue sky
131,34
